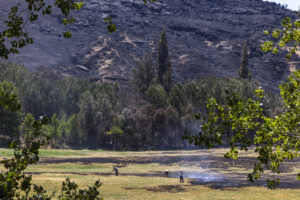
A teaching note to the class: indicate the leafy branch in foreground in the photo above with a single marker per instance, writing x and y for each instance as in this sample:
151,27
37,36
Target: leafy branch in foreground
18,17
243,120
288,35
15,37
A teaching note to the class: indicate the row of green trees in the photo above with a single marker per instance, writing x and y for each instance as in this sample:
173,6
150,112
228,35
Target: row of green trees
100,115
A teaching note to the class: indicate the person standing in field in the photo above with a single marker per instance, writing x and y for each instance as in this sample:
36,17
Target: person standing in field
115,169
167,173
181,177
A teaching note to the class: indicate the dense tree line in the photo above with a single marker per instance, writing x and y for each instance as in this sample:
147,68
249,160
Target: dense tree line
100,115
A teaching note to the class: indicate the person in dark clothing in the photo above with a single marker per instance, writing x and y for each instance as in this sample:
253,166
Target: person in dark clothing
115,169
181,177
167,173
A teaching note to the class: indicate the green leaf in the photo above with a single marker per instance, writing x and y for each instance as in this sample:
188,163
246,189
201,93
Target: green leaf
78,5
67,34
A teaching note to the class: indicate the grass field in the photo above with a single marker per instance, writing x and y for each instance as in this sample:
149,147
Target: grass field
208,175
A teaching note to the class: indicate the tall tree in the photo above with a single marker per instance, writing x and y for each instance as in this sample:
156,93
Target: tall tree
114,132
157,96
244,72
178,98
74,131
89,117
9,119
164,64
144,74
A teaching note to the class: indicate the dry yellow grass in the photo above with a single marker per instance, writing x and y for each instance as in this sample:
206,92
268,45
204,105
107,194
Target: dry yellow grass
141,174
133,187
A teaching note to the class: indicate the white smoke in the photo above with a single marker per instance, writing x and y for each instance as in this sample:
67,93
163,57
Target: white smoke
205,177
201,172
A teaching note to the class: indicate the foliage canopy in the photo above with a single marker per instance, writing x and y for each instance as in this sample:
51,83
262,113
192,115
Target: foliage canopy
287,37
14,182
275,138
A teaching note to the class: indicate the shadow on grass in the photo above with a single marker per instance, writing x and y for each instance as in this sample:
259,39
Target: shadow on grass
162,188
235,184
203,161
99,174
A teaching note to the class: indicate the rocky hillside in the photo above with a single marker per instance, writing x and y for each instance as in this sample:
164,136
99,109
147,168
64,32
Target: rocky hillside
204,36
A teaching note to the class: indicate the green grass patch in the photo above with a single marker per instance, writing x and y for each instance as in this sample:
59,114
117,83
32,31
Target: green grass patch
70,167
53,152
62,153
6,152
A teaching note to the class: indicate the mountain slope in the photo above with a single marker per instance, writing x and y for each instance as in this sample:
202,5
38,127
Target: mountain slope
204,36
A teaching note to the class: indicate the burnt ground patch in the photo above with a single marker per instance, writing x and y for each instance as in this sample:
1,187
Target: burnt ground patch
100,174
221,173
162,188
286,182
165,188
228,182
203,161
